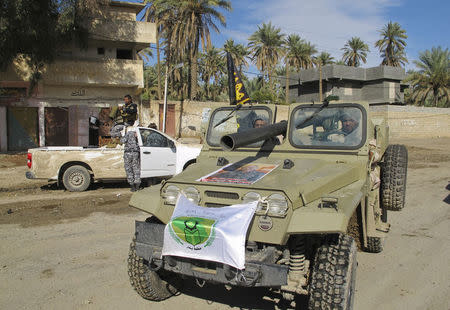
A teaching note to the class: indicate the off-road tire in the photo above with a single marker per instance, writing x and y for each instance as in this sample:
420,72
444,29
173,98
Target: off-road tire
374,245
76,178
393,177
332,283
146,282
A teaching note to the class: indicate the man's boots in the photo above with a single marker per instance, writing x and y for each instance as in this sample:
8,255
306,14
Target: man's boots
137,186
133,187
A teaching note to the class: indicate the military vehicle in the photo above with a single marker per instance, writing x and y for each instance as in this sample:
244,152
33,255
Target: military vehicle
318,200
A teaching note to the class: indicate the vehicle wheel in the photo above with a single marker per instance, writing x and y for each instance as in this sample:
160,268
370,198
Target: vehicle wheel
146,282
393,177
332,283
76,178
374,245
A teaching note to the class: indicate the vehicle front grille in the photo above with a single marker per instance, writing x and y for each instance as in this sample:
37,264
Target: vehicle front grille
214,205
222,195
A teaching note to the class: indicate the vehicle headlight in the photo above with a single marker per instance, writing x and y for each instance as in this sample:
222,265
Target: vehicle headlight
277,205
192,194
253,196
170,194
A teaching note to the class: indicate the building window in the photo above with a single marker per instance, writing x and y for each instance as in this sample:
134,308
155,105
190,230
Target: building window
100,50
124,54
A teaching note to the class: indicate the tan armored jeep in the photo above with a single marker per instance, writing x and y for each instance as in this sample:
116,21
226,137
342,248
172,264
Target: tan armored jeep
316,180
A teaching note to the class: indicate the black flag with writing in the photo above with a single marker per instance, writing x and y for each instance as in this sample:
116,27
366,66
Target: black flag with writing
236,90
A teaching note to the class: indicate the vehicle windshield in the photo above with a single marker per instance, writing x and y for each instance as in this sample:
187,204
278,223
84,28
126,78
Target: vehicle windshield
332,127
243,119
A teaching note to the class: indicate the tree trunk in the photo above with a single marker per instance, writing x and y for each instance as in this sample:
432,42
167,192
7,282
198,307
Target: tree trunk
194,69
158,63
287,82
320,82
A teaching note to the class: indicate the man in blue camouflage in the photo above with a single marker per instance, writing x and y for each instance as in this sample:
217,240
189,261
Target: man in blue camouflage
131,159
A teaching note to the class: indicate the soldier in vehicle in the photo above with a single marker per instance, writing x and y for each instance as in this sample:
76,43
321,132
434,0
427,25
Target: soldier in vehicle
123,116
350,128
260,122
131,159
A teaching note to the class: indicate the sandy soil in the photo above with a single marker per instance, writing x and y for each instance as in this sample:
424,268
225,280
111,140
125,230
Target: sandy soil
62,250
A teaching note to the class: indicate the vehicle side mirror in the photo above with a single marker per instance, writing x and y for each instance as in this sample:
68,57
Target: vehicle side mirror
172,146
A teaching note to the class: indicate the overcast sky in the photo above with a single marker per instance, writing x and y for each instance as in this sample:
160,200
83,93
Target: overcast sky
330,23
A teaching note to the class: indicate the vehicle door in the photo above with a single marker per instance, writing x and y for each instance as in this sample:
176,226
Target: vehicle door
158,154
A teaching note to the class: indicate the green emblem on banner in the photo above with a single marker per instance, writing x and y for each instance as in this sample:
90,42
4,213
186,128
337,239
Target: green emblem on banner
193,230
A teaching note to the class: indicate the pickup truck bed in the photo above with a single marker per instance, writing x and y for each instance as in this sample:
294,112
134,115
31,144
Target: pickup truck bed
160,157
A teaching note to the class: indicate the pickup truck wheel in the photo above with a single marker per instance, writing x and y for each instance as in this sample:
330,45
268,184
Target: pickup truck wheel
393,177
374,245
76,178
332,283
147,283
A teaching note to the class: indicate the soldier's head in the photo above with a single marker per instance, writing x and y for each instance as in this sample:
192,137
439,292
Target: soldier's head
153,126
349,123
259,122
127,99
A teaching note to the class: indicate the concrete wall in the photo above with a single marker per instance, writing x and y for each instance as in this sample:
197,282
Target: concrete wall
411,121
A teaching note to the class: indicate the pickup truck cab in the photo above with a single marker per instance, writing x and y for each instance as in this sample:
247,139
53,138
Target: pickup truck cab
77,167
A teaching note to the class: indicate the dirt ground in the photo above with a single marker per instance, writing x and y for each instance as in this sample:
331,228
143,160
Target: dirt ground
62,250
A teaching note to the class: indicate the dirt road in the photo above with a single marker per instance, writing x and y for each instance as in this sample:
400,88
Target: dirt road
61,250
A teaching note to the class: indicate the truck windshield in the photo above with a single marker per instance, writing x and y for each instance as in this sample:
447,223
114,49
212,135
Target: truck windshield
242,120
333,127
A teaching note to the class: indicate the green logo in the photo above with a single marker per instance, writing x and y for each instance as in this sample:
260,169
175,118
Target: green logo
193,230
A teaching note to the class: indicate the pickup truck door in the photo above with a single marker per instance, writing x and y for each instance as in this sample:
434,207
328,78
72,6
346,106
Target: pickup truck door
158,154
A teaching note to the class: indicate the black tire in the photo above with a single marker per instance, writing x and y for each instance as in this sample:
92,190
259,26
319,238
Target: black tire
76,178
393,177
147,283
333,276
374,245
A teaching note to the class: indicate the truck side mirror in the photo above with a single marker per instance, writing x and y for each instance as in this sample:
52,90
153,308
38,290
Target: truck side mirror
172,146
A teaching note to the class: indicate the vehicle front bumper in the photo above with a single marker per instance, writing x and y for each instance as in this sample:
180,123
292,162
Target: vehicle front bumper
258,272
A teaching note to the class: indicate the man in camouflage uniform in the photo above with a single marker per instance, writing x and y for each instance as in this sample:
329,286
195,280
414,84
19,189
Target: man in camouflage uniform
131,159
123,116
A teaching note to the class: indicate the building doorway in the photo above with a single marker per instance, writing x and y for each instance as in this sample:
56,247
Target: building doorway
23,128
170,119
56,126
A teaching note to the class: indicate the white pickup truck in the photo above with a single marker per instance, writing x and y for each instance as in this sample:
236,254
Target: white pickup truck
77,167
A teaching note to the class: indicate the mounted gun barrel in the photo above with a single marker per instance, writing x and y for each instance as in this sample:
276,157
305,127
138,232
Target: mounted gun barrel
233,141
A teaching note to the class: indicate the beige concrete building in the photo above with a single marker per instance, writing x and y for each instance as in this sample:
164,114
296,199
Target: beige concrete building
82,82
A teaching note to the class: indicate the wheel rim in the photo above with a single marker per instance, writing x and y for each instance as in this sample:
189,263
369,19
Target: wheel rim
76,179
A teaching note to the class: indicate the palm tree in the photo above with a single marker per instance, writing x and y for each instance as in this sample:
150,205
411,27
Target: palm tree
298,55
392,45
266,48
323,59
432,80
355,52
194,20
155,13
212,66
238,53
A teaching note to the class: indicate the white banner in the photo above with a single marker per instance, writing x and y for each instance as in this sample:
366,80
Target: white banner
213,234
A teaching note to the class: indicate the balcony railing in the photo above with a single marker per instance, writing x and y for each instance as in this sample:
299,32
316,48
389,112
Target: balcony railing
111,72
142,33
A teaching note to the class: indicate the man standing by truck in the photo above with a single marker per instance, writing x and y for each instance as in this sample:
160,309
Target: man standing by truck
123,116
131,159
